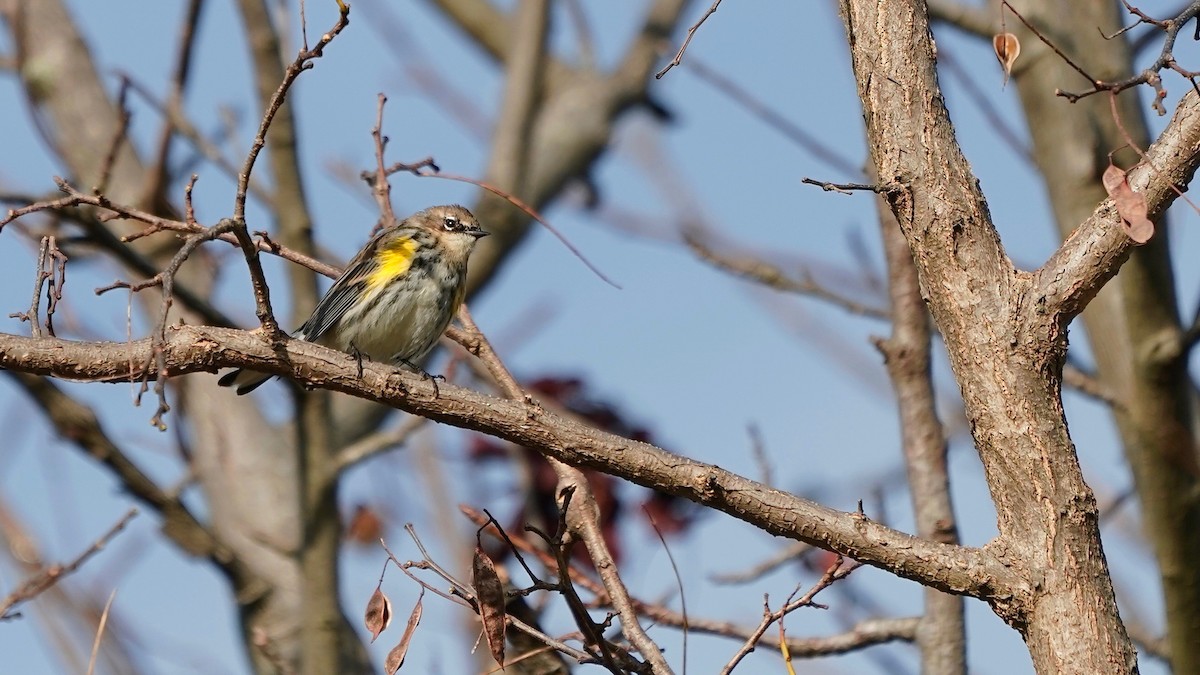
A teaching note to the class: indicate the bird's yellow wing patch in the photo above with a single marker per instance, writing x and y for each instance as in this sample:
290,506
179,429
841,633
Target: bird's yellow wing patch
394,261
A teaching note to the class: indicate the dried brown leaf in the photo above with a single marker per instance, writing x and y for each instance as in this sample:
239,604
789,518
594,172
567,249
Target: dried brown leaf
379,613
1130,205
1114,180
1007,48
489,591
395,658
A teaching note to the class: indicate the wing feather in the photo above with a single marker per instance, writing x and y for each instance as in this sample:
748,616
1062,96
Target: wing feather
342,295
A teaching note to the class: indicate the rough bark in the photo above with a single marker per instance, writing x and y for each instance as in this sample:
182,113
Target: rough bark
941,633
1133,325
1006,339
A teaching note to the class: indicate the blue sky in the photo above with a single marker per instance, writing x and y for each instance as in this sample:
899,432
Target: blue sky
682,348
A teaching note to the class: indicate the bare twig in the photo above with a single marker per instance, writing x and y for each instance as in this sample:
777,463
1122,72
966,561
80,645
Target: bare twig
678,582
166,280
845,188
1151,75
81,426
381,187
865,634
120,135
100,632
462,593
158,224
835,572
35,585
777,121
770,276
584,519
687,40
529,211
793,552
303,61
375,443
299,65
52,268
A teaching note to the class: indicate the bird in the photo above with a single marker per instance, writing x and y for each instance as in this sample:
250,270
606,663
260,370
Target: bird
397,295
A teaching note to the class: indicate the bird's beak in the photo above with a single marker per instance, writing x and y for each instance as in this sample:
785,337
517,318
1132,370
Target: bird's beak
479,234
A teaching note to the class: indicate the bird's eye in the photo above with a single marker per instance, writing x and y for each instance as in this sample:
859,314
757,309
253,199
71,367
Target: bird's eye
450,223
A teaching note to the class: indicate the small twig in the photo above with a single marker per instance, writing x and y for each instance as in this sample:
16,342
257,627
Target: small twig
52,268
865,634
491,520
37,584
120,134
758,448
777,121
462,594
529,211
583,520
303,61
687,40
32,315
834,573
156,224
375,443
166,280
1149,75
159,174
770,276
1091,386
783,648
1046,41
560,544
678,582
57,279
100,632
380,186
583,34
793,552
845,188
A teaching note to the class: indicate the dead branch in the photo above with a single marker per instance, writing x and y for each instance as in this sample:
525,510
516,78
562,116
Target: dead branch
35,585
688,40
835,573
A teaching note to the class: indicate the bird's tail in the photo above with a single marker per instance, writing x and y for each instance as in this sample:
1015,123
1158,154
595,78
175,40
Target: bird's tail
246,381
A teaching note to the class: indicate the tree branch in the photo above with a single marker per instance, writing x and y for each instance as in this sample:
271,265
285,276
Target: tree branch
1094,252
79,424
191,349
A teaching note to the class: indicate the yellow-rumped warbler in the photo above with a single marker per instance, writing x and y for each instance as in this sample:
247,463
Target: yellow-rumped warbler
396,296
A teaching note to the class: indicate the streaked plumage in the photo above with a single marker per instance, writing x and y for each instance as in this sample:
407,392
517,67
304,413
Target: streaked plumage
396,297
